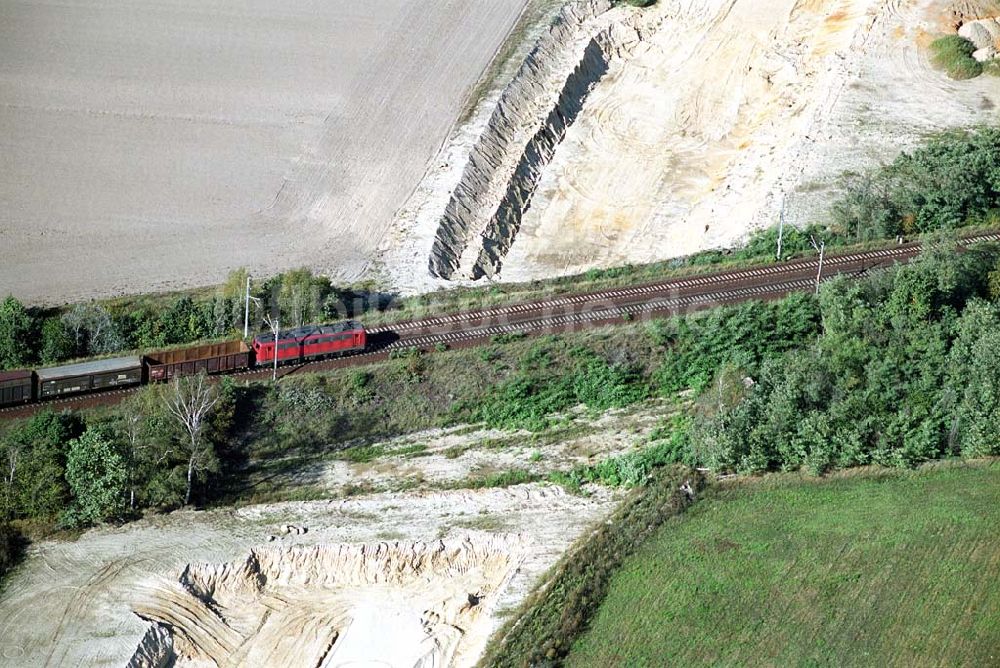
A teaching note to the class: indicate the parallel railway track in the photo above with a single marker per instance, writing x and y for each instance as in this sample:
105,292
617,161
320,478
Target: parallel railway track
571,313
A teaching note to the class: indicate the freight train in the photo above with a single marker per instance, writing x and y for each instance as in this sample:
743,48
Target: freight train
289,346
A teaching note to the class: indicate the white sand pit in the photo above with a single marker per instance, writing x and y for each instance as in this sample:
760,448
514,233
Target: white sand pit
389,604
636,136
154,145
72,603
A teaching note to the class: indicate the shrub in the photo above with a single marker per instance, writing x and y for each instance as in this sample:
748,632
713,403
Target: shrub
362,454
57,341
37,488
670,445
951,181
15,331
953,54
97,476
502,479
12,545
897,378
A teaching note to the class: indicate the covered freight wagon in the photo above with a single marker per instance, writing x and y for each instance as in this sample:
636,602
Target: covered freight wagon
213,358
89,376
16,387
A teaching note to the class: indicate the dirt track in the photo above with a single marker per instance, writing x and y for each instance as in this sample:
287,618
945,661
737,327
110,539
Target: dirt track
152,145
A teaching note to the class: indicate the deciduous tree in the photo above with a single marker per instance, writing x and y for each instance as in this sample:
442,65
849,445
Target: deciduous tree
97,476
15,334
191,401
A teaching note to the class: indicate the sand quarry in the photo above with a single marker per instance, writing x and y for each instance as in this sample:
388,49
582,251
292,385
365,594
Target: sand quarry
627,136
152,145
413,572
603,135
329,583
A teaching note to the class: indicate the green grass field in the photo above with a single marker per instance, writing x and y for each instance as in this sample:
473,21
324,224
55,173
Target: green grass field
898,569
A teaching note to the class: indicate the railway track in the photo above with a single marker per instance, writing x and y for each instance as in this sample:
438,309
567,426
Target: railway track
569,313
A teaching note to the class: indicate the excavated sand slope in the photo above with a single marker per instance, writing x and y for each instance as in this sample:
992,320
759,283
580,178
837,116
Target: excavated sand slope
73,603
632,136
396,604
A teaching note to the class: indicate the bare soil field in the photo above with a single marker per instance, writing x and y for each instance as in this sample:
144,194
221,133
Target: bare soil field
75,603
155,145
683,127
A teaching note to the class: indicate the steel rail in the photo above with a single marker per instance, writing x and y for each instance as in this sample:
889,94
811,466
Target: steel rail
560,314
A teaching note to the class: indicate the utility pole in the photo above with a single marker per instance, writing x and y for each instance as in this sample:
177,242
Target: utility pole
781,226
821,249
275,328
274,373
246,312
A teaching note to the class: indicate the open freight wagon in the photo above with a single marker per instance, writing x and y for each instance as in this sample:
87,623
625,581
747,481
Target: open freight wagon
211,359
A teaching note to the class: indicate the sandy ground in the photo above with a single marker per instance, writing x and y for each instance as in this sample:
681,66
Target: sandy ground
455,455
74,603
728,109
153,145
71,603
413,605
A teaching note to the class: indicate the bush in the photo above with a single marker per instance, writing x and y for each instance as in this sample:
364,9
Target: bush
696,347
953,54
57,342
502,479
905,371
12,545
952,181
15,334
670,444
37,488
97,475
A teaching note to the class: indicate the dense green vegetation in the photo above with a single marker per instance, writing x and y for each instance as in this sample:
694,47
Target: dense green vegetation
863,569
872,371
554,616
953,54
62,470
11,549
904,371
49,336
950,182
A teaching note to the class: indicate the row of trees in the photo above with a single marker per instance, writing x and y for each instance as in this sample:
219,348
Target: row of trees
906,369
153,451
31,336
952,181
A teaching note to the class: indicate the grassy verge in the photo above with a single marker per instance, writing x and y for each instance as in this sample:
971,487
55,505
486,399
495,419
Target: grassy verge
536,15
866,568
553,617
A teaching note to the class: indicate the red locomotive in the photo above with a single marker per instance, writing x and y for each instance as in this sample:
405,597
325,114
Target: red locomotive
307,343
